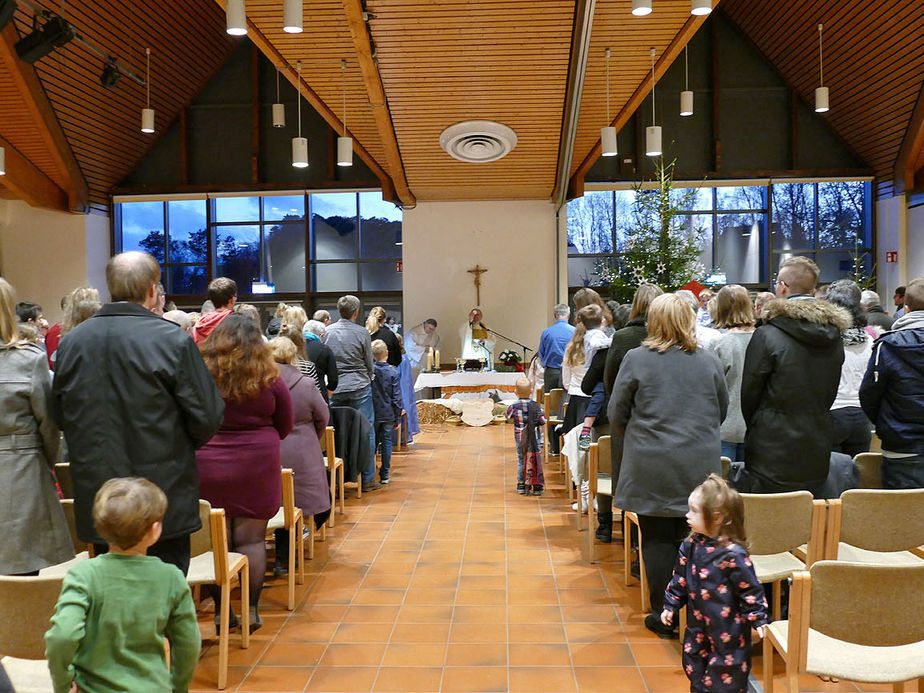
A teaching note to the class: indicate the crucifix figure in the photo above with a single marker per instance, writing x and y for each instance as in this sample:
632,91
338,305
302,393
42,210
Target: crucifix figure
478,271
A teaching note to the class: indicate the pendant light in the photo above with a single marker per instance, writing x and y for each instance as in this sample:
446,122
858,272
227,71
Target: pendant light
279,109
821,93
2,161
293,17
653,132
700,7
686,96
641,7
147,113
299,144
344,143
608,133
236,18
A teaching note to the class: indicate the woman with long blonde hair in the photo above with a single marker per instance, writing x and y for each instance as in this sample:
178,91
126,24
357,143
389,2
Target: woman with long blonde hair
375,324
668,403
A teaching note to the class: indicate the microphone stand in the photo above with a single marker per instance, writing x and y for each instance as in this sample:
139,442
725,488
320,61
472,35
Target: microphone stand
512,341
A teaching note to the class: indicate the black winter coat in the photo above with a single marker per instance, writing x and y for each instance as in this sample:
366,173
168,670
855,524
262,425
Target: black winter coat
876,316
629,337
134,398
391,341
791,372
325,363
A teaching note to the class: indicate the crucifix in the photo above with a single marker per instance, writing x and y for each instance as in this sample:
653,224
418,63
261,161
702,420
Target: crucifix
478,271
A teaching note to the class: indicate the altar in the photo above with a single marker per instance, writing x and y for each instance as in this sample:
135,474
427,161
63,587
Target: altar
448,382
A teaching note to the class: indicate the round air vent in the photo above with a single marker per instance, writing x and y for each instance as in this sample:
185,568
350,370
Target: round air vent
478,141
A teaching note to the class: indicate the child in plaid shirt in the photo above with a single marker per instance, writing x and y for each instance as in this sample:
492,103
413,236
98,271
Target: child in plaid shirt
527,417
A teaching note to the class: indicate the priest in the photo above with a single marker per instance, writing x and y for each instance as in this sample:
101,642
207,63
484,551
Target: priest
419,340
476,340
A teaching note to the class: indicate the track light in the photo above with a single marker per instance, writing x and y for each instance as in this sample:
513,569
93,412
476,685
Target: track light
641,7
279,108
344,143
40,42
821,92
147,113
236,18
686,96
299,144
293,17
653,132
608,132
110,75
700,7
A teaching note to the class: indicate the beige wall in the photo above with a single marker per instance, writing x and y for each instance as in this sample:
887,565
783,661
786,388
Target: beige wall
45,254
915,242
515,241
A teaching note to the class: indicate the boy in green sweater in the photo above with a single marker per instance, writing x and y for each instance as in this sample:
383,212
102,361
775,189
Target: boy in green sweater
114,611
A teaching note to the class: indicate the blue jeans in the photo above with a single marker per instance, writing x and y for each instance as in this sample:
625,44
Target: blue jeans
361,401
384,437
733,451
519,464
903,472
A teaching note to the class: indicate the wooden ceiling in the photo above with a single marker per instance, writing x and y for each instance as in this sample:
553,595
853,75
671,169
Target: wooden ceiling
415,67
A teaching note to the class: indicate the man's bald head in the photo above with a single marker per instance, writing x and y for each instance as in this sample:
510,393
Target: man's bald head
131,276
798,274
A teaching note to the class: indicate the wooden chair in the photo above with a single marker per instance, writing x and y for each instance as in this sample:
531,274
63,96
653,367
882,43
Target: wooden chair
868,464
334,466
600,476
552,403
629,519
776,524
402,433
726,466
213,564
291,519
63,475
876,526
852,622
82,550
27,605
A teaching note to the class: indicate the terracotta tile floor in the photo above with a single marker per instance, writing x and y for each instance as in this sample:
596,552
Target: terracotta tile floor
447,580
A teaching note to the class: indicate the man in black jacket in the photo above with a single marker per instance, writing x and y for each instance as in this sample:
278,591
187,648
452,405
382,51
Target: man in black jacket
134,398
791,372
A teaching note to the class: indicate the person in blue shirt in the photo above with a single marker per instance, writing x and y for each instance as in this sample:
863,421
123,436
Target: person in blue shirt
552,345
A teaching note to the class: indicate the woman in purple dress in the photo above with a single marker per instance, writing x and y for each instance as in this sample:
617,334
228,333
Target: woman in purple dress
239,468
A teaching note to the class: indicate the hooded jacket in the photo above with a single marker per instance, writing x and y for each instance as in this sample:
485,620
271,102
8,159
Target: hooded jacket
208,322
791,373
892,392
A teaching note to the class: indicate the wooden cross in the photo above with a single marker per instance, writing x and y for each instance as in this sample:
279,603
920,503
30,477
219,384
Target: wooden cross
478,271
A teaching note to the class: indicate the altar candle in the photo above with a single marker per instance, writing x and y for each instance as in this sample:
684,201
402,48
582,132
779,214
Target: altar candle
436,361
429,361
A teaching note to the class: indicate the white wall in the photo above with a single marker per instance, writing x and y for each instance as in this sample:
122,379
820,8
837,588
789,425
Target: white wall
45,254
516,241
916,242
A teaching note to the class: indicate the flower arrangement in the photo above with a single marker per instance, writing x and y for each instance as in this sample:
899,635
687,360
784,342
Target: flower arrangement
509,361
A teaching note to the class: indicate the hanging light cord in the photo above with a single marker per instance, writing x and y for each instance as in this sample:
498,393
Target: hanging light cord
343,72
147,81
686,69
299,66
821,69
277,85
608,122
652,87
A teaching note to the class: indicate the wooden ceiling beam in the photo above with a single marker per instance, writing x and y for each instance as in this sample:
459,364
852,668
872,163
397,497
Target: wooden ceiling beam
909,166
46,123
28,183
362,43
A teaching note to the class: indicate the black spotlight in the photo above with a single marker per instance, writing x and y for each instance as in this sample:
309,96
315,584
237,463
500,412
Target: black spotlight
40,42
110,76
7,8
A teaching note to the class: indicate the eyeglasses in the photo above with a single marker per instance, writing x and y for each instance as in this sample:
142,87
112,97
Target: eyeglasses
778,281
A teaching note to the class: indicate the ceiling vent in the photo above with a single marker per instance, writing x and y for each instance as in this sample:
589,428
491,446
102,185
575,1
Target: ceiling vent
478,141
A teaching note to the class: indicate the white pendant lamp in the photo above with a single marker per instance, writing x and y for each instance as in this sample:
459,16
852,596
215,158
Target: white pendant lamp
2,161
608,132
821,93
293,17
653,132
147,113
700,7
641,7
686,96
236,18
344,143
279,109
299,144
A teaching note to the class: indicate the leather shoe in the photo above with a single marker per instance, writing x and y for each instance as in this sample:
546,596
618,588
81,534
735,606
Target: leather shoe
653,623
371,486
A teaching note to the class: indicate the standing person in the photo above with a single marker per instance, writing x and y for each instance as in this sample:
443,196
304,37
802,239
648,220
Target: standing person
222,295
352,349
760,300
552,345
134,398
116,610
275,322
386,398
419,340
792,368
899,300
375,324
527,417
321,356
52,338
715,580
735,315
671,443
31,313
476,339
322,316
870,303
35,533
585,297
239,467
892,394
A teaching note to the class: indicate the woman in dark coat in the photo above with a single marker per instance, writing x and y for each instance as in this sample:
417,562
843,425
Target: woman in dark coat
321,356
239,468
668,402
375,324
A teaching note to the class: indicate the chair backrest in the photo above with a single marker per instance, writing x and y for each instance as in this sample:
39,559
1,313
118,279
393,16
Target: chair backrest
604,460
288,498
330,447
554,401
67,505
27,605
726,466
777,522
63,475
200,541
540,395
219,544
868,465
882,520
868,604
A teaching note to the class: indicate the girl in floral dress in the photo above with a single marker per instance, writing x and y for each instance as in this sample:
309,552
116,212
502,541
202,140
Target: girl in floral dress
714,578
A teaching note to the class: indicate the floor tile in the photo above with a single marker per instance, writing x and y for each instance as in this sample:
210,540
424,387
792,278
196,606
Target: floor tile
277,679
421,679
475,679
542,680
420,632
610,680
601,654
353,654
539,654
476,655
293,654
414,654
342,679
362,632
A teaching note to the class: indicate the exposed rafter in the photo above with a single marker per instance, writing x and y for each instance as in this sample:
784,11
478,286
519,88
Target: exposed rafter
909,167
30,184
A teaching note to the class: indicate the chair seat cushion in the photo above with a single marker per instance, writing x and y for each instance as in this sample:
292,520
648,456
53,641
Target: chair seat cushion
829,656
775,566
846,552
202,567
277,521
28,675
60,569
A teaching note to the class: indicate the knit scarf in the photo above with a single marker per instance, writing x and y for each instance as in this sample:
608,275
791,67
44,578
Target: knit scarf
854,335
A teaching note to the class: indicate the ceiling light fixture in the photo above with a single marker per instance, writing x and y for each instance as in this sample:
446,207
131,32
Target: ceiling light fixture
2,161
41,41
821,93
700,7
236,18
641,7
608,132
147,113
279,109
110,75
293,17
686,96
653,132
299,144
344,143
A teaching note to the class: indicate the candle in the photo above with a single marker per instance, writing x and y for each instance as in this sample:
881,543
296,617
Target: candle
429,361
436,361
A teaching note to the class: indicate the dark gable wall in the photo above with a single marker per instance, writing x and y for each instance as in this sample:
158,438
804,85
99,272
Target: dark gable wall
755,128
219,138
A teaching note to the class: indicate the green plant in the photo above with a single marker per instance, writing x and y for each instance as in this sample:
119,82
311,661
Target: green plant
858,272
509,357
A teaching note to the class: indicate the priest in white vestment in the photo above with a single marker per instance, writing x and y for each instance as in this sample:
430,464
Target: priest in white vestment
419,340
476,340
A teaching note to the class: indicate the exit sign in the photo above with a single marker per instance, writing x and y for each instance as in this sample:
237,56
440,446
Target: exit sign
399,266
892,256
